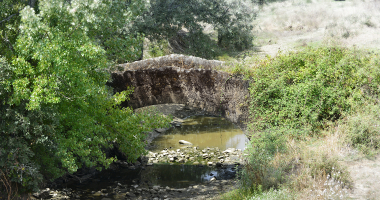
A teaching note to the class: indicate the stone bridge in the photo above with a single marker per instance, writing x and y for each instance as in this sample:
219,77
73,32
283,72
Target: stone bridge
195,82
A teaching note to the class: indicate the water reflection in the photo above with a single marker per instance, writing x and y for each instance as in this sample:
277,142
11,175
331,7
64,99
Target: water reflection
204,132
174,176
180,176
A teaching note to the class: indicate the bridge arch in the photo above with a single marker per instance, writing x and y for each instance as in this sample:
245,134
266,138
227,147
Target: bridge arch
188,80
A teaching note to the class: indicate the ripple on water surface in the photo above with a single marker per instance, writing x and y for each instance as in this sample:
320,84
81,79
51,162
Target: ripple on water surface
203,131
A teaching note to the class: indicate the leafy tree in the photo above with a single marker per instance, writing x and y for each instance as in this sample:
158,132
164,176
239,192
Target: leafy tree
57,112
112,30
9,23
163,19
236,31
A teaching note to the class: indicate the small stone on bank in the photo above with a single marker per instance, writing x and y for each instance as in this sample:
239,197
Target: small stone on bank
184,142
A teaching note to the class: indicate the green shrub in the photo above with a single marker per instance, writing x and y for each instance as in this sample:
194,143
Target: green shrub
260,171
237,34
363,129
158,48
237,194
303,90
20,131
281,194
231,20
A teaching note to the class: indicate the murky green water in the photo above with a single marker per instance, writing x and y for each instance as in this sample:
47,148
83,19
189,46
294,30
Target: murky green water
173,176
203,131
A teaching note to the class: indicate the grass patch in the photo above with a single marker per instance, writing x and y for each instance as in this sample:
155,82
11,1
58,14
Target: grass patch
277,168
238,194
362,129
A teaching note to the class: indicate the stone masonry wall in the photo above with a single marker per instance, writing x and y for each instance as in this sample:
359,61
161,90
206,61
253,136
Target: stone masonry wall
184,80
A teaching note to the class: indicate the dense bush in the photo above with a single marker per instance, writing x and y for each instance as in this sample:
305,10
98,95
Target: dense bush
300,91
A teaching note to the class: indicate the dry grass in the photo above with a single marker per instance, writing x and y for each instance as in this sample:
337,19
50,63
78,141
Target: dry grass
320,174
314,171
289,25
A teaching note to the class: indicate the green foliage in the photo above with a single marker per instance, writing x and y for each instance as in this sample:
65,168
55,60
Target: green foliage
299,94
301,91
201,45
16,164
363,129
232,20
260,173
238,194
236,33
111,28
107,23
281,194
9,24
158,48
57,112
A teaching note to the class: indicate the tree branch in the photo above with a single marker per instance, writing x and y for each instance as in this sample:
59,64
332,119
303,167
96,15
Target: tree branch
31,3
8,42
9,17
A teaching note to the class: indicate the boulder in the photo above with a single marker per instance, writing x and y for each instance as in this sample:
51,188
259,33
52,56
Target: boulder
160,130
229,150
44,194
156,187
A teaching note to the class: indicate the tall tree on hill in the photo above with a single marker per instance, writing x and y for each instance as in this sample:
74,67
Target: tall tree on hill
232,20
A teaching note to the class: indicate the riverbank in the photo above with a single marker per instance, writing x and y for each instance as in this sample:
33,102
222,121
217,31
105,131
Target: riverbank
208,191
207,173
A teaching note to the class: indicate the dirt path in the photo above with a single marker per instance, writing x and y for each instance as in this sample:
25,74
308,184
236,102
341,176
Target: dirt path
365,175
291,24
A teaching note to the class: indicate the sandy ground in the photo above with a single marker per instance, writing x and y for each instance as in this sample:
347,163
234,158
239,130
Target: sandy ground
365,175
292,24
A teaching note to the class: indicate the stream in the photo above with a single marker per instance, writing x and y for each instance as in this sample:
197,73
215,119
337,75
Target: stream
203,132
